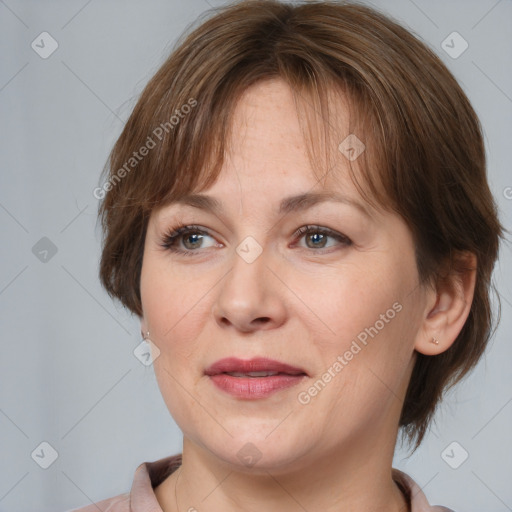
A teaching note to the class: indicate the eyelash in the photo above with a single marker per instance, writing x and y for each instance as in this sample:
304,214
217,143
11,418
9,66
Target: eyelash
173,234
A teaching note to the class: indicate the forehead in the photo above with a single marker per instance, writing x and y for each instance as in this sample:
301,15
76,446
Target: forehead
276,134
282,144
267,165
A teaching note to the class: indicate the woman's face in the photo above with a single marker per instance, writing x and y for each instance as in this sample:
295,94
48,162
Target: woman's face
340,304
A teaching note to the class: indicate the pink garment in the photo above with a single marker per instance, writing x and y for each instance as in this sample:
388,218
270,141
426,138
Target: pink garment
149,475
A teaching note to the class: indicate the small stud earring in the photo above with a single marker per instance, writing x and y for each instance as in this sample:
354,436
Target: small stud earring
435,341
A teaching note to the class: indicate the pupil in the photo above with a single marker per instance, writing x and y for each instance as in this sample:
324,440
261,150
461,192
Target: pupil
319,237
189,237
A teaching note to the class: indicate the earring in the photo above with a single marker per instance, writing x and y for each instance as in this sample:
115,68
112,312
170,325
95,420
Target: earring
435,341
145,338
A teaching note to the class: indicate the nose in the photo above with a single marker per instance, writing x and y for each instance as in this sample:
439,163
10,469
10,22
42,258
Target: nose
250,297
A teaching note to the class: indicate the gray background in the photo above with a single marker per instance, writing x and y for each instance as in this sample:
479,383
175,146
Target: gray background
68,373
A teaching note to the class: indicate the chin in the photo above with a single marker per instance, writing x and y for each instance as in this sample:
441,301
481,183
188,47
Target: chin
254,446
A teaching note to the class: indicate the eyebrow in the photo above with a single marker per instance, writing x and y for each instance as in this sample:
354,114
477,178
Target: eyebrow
288,205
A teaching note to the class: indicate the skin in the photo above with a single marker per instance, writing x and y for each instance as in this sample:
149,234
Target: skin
299,302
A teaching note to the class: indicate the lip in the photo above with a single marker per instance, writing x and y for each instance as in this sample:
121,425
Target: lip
251,388
258,364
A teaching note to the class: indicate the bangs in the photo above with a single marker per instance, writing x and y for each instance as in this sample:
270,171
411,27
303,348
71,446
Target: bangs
337,122
182,122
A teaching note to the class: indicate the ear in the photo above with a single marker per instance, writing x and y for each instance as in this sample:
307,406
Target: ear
448,306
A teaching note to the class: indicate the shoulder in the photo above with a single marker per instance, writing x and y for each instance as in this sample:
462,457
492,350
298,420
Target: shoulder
415,494
141,497
120,503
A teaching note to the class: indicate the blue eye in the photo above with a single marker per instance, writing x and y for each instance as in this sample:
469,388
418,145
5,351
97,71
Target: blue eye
316,237
187,239
191,236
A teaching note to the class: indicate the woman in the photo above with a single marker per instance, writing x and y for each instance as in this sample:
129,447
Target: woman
298,212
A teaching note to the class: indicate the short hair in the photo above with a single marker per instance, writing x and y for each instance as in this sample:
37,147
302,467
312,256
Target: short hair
424,157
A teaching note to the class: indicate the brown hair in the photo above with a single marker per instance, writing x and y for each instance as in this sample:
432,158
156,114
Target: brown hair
424,157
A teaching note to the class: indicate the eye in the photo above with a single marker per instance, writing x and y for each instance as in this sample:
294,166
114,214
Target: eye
187,239
191,236
316,237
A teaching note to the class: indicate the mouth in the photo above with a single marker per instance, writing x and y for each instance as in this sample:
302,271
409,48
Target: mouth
256,368
254,378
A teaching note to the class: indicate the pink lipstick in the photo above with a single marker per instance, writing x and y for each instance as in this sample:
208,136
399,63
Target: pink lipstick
254,378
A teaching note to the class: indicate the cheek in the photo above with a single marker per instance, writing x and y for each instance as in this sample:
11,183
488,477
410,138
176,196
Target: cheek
348,302
372,317
173,301
174,315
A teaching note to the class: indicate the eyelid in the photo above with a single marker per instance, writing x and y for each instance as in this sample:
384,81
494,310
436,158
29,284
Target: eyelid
174,233
314,228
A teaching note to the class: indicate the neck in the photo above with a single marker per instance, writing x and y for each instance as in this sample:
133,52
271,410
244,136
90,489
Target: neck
357,476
